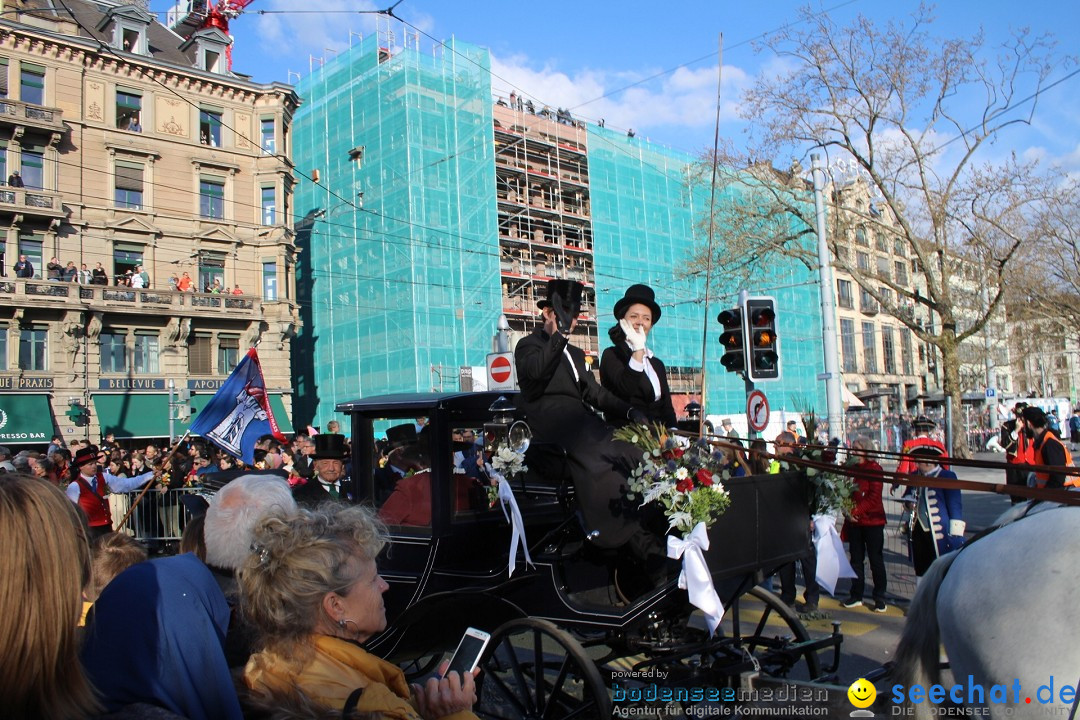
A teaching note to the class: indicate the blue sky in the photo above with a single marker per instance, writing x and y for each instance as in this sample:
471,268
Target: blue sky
583,54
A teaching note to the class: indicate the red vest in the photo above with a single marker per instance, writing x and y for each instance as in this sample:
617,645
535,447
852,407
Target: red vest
93,503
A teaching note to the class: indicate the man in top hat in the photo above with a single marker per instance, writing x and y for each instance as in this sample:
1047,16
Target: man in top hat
560,395
937,524
328,482
89,484
398,438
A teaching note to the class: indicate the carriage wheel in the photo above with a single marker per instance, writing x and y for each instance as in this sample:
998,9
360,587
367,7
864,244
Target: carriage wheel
770,650
534,670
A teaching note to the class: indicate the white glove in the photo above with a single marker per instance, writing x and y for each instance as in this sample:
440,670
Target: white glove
635,337
957,527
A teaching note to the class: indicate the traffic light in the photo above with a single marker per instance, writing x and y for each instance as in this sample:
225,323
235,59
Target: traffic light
183,405
734,358
79,415
764,361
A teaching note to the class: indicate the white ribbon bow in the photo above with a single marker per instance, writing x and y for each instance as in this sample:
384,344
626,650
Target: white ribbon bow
695,577
517,525
832,561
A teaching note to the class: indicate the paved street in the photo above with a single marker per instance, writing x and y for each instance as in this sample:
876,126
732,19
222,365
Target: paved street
870,638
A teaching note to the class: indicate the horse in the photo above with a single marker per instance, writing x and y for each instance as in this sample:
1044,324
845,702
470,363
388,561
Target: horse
1004,606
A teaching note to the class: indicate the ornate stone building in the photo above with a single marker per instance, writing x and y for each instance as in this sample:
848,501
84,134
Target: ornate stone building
135,158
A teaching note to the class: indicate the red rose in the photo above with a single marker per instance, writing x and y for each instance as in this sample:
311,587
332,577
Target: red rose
673,453
685,485
704,477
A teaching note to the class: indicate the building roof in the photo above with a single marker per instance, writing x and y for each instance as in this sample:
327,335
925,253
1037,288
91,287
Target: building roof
163,44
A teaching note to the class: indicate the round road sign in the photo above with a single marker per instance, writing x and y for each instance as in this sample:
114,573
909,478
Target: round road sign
757,411
500,369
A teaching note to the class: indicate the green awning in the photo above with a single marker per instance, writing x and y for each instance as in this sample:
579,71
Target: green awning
146,415
25,419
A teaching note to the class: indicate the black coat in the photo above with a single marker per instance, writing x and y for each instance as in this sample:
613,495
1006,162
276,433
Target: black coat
634,387
559,409
313,493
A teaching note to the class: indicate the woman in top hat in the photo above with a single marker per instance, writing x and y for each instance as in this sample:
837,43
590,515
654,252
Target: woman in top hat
628,368
328,482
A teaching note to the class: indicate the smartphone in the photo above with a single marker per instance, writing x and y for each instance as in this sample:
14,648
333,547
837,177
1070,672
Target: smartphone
468,652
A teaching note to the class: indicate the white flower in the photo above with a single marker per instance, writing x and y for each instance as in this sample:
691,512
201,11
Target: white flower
719,487
679,519
682,473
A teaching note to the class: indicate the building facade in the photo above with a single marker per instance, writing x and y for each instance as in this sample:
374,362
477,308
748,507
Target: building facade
443,204
135,162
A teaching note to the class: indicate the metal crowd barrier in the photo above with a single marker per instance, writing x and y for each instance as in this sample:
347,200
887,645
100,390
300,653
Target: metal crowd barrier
159,516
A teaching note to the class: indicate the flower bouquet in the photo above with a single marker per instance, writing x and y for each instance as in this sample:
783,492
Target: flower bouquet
508,464
505,465
687,480
831,493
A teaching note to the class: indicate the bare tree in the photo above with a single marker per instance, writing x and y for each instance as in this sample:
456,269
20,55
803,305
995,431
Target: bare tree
914,117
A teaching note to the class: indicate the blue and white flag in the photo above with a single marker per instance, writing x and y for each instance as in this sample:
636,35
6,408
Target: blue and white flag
239,413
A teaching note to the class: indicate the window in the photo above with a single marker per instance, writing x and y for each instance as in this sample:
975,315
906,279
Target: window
32,84
113,351
3,77
869,347
866,302
212,61
269,204
211,270
888,350
847,345
30,244
128,110
129,185
33,168
905,351
881,242
269,275
863,261
860,237
886,295
843,294
146,353
898,248
130,40
3,164
228,354
199,355
883,267
266,134
126,257
210,128
212,198
33,349
3,346
900,270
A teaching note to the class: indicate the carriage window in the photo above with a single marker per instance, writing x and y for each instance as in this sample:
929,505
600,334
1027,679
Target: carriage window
471,481
403,476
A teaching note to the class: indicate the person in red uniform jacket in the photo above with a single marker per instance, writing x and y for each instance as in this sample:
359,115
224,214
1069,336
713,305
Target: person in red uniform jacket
88,487
864,529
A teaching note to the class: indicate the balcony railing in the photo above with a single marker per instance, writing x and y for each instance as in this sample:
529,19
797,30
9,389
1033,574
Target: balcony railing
17,112
106,297
32,201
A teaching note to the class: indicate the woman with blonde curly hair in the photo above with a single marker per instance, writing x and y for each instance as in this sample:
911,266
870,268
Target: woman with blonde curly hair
312,590
45,566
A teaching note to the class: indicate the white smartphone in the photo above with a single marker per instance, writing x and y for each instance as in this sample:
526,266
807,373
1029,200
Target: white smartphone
468,652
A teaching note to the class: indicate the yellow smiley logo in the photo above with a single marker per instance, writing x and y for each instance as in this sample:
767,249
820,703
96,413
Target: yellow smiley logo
862,693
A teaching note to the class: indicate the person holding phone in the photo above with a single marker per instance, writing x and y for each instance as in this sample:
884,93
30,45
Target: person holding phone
312,591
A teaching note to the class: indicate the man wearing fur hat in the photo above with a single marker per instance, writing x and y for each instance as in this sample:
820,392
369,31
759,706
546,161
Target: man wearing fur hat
328,481
560,397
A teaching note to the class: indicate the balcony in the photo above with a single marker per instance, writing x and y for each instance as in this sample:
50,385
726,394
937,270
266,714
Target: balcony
36,117
32,202
868,306
107,298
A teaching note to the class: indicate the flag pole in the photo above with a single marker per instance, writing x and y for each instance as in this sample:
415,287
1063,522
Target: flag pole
165,462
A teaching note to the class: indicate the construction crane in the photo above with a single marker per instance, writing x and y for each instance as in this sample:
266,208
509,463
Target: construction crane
189,16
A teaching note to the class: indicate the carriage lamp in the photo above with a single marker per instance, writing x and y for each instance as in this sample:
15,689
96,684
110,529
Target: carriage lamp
503,430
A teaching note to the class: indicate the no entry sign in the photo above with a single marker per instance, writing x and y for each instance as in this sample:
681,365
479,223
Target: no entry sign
757,410
500,371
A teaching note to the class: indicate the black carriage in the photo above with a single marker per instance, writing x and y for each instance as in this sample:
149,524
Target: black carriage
562,630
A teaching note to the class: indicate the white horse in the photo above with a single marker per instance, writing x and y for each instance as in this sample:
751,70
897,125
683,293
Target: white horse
1007,609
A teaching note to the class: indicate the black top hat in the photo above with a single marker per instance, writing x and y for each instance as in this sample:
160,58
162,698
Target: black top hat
924,422
642,294
329,446
569,292
400,436
88,454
